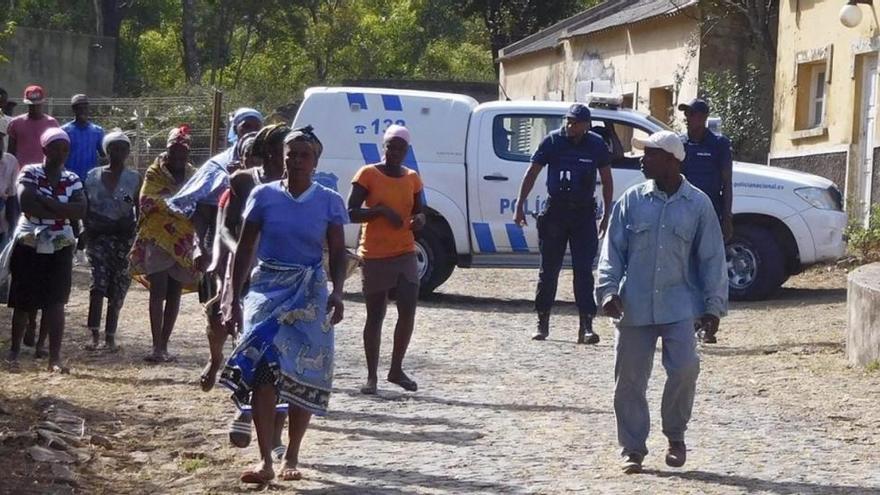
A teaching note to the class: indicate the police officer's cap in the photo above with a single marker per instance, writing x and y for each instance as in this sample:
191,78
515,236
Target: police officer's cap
579,112
696,105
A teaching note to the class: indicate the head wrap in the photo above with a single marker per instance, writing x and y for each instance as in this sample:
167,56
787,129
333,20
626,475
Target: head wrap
51,135
306,134
267,137
397,131
179,135
115,136
245,113
244,146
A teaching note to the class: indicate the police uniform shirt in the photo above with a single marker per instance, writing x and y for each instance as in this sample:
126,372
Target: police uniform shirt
571,168
704,162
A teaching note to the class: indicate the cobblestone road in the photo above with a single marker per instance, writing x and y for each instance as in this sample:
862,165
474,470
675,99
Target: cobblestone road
777,409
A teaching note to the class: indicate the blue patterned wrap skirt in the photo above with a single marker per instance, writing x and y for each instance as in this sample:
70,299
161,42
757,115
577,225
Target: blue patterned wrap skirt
287,332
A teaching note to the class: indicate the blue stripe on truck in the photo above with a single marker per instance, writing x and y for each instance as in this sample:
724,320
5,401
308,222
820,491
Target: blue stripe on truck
370,153
358,98
484,238
392,103
517,238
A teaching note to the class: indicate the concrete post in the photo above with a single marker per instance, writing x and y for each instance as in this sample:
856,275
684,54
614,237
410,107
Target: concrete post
863,308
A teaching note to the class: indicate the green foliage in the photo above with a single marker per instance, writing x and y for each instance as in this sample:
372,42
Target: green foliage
266,53
864,242
739,101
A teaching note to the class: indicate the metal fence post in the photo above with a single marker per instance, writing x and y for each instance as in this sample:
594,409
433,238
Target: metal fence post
215,121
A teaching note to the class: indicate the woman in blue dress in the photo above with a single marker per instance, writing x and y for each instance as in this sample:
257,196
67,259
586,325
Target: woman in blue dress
285,355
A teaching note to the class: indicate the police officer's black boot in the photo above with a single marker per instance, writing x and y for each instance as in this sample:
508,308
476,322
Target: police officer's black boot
543,326
585,331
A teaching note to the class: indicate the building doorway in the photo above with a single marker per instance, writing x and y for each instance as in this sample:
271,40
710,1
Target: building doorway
660,104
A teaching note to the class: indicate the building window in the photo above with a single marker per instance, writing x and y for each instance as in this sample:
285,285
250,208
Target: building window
812,79
817,96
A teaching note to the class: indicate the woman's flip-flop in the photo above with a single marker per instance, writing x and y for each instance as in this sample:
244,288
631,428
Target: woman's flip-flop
404,382
208,378
240,432
291,474
257,477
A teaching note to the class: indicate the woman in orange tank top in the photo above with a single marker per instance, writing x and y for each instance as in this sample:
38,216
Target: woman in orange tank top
387,199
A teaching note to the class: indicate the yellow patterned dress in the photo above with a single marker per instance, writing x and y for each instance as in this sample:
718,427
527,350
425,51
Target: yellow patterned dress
165,239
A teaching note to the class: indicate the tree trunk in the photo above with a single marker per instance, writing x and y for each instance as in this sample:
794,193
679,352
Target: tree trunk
190,48
110,19
99,17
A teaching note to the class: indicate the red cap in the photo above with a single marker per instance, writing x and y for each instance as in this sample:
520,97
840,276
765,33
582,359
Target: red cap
33,95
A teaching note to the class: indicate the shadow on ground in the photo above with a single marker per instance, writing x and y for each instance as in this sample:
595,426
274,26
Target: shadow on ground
412,479
396,396
751,485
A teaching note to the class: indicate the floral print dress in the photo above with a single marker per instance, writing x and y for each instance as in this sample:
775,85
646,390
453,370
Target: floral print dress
165,239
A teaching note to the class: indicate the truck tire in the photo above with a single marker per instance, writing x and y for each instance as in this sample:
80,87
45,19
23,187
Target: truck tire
755,263
436,258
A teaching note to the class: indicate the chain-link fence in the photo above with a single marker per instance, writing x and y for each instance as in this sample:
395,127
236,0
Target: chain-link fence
147,122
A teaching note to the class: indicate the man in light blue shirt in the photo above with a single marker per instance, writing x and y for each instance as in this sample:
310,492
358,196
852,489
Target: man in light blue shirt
662,269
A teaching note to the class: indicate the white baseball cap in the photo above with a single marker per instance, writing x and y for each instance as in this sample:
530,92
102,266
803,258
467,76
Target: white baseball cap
667,141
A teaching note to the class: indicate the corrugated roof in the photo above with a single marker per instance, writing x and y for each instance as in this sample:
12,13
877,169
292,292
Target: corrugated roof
606,15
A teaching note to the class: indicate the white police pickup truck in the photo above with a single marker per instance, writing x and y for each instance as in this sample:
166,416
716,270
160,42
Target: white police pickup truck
472,156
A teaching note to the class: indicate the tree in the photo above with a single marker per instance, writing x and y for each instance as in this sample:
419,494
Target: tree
190,48
762,17
510,20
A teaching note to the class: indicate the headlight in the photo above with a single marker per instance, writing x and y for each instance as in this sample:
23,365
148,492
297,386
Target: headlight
818,197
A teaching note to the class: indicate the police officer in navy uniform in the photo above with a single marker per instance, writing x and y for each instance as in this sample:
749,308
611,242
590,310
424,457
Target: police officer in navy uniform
572,156
708,165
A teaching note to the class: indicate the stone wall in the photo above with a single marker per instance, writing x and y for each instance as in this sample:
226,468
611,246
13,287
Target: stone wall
829,165
63,63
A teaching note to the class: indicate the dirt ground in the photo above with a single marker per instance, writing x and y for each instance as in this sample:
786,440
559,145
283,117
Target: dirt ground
778,409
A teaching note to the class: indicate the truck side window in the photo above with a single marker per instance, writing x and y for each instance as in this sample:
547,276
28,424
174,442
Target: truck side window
516,137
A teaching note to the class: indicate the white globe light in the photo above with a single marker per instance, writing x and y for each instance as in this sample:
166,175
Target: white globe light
850,15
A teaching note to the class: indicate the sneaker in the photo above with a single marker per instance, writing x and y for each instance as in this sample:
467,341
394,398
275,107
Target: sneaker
543,326
632,464
676,453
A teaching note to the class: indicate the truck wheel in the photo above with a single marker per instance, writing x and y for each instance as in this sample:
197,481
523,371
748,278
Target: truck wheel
436,261
755,263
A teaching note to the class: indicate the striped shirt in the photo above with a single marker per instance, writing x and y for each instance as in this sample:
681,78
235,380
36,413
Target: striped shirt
45,232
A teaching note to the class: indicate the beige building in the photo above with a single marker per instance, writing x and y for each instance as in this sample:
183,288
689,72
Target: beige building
825,103
651,51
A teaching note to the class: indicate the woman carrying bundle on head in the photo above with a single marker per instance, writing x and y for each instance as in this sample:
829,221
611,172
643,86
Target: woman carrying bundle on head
162,255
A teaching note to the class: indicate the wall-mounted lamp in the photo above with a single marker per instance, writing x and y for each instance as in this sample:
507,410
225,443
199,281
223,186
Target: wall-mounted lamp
851,13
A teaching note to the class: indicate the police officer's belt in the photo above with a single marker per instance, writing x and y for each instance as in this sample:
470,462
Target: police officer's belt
571,203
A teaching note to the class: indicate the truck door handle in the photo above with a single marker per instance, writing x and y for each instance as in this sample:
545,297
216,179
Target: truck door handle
495,177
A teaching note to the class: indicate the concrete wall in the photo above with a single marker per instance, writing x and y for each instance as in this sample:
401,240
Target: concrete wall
632,59
63,63
811,26
534,76
863,308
